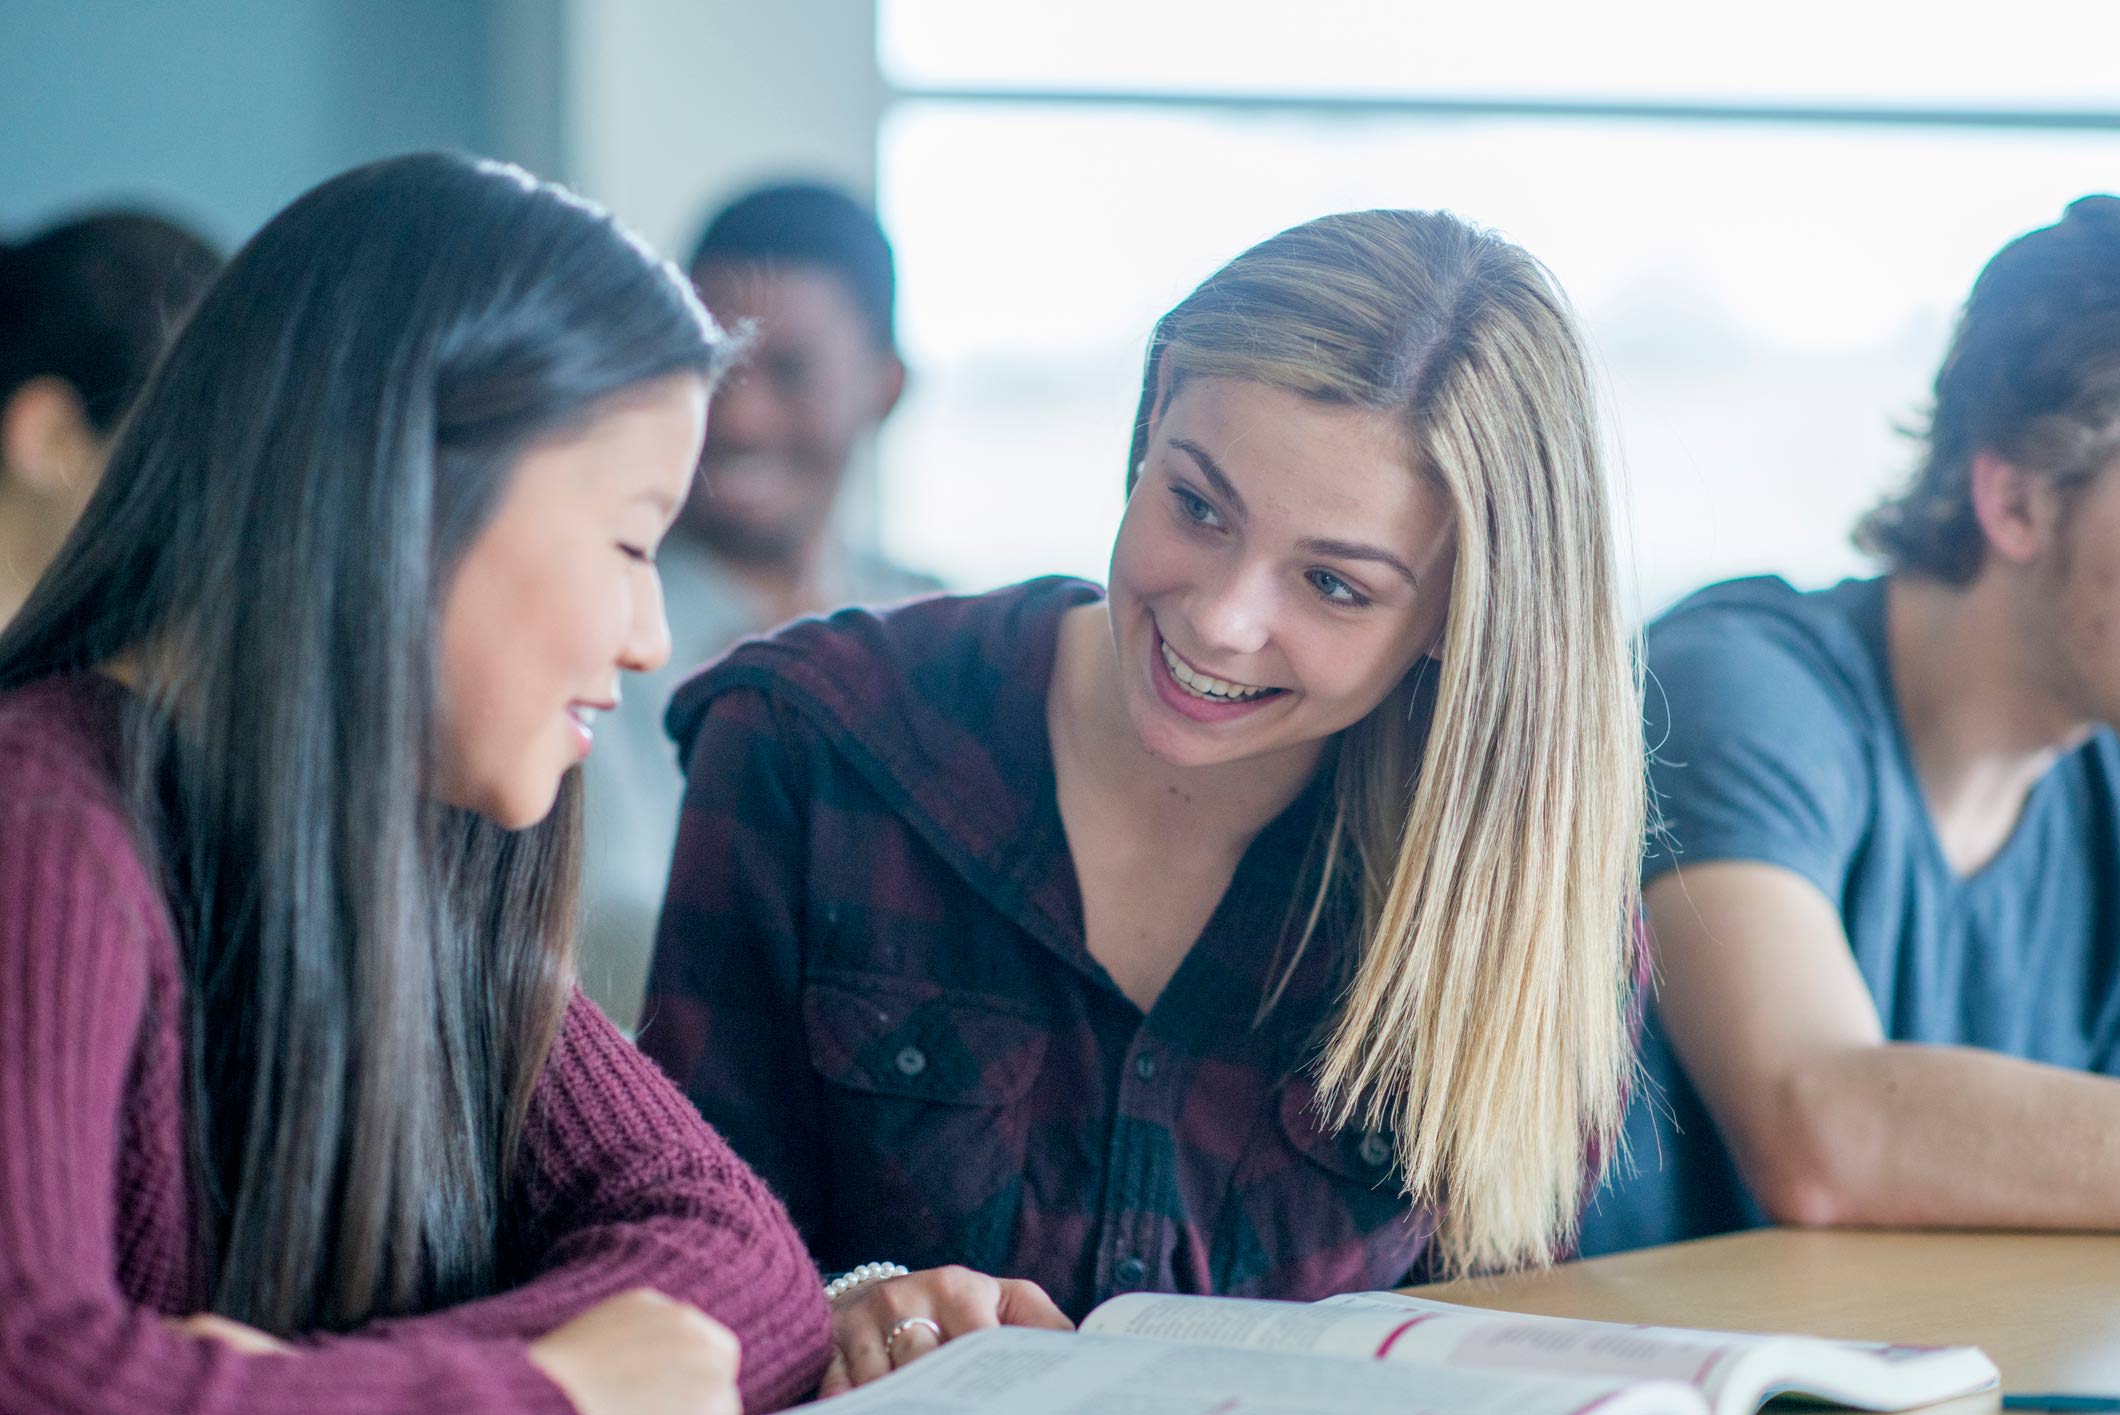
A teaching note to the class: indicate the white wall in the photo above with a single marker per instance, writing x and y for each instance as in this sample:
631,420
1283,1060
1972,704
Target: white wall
671,106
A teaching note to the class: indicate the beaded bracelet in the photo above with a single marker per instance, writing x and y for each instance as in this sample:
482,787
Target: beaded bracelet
862,1276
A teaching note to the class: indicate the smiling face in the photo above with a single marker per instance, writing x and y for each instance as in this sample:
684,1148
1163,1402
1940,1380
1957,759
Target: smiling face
556,596
1280,568
786,421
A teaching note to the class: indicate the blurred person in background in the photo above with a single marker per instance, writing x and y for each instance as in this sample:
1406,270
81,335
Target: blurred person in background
1886,895
86,307
809,272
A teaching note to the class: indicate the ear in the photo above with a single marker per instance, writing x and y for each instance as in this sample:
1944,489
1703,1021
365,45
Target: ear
46,442
2017,510
890,384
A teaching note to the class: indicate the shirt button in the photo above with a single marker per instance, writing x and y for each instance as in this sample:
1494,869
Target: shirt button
1130,1272
1145,1066
911,1062
1376,1150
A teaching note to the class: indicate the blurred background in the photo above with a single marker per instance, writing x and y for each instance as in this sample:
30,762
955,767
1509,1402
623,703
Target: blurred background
1766,213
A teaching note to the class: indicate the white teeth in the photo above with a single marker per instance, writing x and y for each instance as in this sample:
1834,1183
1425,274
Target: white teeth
1202,686
586,716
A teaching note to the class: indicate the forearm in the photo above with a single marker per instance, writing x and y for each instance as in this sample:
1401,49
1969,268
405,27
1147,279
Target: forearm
84,1354
624,1187
1936,1136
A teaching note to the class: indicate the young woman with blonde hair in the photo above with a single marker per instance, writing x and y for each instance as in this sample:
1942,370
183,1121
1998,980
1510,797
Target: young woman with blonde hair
1260,924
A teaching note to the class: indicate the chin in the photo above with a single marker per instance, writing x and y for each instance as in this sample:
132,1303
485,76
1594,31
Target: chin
519,810
1174,744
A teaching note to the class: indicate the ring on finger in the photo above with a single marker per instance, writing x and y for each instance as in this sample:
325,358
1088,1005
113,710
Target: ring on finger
901,1327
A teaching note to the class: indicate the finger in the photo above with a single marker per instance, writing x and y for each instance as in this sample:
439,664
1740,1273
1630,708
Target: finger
836,1380
860,1334
718,1344
1024,1304
249,1341
965,1301
911,1342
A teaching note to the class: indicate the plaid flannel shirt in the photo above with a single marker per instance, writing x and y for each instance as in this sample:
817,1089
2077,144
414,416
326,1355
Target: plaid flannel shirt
871,977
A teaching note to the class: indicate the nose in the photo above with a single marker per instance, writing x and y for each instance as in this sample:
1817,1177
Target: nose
746,411
647,642
1234,614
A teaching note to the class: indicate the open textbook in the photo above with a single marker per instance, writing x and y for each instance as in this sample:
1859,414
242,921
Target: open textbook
1142,1354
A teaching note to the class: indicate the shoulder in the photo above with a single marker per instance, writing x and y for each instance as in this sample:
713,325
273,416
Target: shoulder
1760,650
60,743
888,673
935,708
2093,773
75,890
1768,723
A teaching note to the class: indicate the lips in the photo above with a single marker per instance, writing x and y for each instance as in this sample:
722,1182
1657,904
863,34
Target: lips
1206,685
584,715
1195,695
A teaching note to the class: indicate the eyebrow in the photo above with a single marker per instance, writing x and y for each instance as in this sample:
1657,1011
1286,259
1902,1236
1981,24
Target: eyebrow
1329,548
1355,550
657,498
1212,470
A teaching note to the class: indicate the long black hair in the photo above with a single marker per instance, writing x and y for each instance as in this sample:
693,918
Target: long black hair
376,978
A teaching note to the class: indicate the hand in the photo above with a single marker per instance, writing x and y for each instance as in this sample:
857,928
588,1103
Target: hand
248,1340
957,1300
640,1353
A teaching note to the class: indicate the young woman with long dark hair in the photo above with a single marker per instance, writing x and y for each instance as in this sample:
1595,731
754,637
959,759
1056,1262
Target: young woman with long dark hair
298,1108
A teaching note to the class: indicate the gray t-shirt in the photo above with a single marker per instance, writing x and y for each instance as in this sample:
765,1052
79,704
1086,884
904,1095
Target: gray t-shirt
1775,736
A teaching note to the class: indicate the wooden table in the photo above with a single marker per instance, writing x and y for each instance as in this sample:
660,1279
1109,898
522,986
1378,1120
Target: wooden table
2045,1307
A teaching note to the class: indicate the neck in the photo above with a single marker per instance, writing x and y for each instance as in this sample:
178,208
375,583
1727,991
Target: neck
1093,738
1982,715
31,532
785,586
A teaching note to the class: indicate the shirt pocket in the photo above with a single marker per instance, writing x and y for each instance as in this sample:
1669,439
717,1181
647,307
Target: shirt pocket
1360,1156
1322,1212
926,1091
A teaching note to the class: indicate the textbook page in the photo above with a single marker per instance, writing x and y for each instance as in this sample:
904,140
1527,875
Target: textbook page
1384,1326
1029,1371
1737,1371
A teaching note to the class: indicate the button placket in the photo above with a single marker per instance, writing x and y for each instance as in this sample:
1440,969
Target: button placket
1134,1244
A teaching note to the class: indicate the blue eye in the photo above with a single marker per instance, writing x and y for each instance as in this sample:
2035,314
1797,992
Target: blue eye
1195,508
1334,589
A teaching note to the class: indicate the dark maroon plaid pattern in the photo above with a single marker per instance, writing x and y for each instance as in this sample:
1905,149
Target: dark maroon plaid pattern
871,978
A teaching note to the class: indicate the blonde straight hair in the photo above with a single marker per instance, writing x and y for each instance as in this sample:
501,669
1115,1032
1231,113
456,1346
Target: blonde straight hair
1486,1019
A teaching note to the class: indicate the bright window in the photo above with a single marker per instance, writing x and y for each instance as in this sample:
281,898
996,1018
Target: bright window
1767,298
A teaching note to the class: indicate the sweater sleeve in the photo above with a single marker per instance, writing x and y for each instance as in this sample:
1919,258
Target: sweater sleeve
78,926
627,1187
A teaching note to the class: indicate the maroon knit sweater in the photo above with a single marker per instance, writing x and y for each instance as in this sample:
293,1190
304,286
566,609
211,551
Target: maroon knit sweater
626,1186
